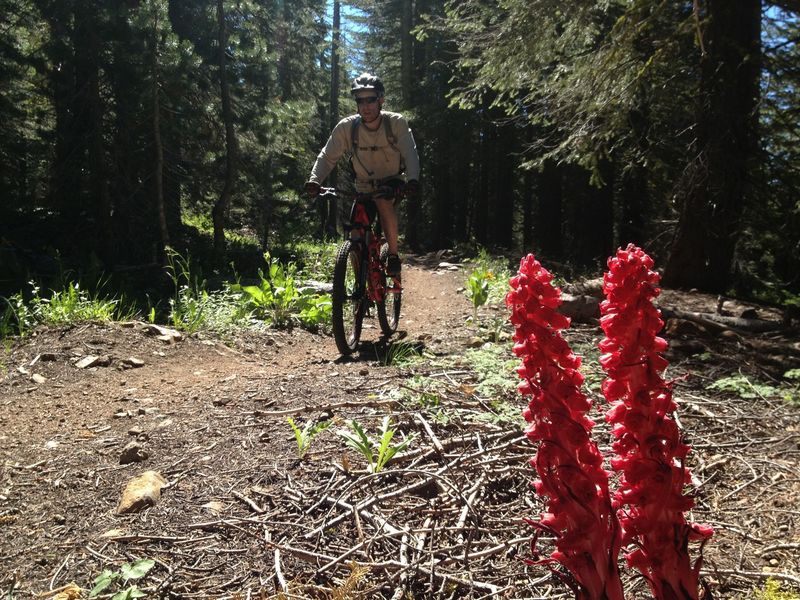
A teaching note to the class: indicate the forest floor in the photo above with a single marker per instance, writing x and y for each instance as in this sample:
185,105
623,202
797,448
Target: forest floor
241,515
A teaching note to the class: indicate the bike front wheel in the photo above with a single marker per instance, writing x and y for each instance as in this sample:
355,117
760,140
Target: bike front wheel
389,307
348,302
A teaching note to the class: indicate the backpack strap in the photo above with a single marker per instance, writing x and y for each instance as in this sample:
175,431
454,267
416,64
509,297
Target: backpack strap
354,140
390,137
387,128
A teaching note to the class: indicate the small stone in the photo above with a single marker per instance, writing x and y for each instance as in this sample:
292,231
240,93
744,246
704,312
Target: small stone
149,410
133,362
475,342
121,414
164,424
214,507
93,361
220,401
133,453
141,492
165,334
59,519
364,372
112,533
51,445
774,562
36,378
135,431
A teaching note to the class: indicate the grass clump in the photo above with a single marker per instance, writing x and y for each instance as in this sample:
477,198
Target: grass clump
72,304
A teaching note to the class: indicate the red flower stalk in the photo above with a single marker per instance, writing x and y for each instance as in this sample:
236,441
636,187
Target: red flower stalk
650,451
570,467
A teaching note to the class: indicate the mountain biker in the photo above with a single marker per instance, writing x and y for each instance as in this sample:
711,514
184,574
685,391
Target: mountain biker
382,152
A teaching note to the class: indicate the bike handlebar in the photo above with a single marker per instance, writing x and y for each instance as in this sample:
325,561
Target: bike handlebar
384,190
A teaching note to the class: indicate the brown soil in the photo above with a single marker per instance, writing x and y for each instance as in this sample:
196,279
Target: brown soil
242,516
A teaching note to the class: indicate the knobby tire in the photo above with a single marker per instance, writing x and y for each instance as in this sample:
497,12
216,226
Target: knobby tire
389,307
348,301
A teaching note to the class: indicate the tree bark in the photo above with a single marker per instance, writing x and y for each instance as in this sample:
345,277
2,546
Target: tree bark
231,158
549,223
505,169
719,176
527,212
89,104
331,226
158,179
406,53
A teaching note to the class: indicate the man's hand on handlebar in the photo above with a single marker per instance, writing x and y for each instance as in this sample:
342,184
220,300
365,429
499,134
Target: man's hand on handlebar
313,189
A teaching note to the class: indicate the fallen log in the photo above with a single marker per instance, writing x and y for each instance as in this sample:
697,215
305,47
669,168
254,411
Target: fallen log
720,322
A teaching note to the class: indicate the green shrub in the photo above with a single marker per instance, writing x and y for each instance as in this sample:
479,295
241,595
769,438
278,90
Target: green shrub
72,304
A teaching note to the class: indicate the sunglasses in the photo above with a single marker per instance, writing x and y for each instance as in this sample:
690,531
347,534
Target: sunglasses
367,100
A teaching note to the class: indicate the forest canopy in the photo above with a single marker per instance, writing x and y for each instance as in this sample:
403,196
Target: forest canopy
568,129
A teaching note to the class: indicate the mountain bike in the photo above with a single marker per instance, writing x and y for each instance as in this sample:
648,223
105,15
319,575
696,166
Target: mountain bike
359,275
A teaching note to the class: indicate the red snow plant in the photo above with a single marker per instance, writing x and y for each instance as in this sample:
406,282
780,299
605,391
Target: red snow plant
649,450
570,466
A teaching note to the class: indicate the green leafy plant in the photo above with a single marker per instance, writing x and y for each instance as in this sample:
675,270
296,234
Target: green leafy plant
478,290
279,301
378,451
306,435
127,572
793,394
17,317
496,372
194,308
187,305
500,412
773,591
741,386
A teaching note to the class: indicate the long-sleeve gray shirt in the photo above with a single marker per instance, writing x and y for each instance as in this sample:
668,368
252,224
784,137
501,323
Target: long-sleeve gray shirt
376,160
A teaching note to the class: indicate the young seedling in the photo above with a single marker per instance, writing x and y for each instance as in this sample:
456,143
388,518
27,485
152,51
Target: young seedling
377,452
306,435
478,290
127,572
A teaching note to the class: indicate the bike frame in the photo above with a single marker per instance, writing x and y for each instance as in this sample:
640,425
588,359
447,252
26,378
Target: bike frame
371,270
369,236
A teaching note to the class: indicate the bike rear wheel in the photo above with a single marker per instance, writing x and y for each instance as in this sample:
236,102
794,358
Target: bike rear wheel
348,301
389,307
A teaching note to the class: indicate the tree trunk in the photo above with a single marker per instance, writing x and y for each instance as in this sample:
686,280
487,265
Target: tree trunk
331,226
505,169
591,222
527,212
549,222
158,179
90,104
727,145
406,53
632,200
480,214
222,204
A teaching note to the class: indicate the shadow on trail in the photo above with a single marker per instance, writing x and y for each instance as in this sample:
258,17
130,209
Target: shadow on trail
386,350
